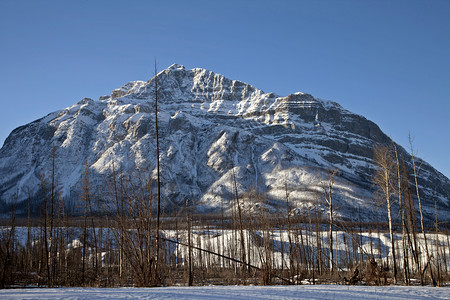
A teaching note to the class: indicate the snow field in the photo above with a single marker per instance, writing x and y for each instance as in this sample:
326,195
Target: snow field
235,292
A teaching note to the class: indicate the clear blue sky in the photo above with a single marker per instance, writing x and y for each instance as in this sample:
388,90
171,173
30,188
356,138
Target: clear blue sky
386,60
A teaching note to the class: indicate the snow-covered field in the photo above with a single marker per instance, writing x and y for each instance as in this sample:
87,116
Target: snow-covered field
235,292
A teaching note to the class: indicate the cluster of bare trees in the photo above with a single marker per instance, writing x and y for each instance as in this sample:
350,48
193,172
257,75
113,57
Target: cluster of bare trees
397,182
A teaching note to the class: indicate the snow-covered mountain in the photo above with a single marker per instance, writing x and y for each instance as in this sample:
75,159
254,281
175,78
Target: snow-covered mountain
211,128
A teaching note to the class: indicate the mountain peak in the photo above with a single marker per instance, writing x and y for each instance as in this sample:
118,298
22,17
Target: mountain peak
176,67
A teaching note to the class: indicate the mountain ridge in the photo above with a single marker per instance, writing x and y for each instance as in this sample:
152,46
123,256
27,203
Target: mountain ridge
212,127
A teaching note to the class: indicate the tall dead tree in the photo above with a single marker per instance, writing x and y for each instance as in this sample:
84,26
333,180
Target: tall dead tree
437,243
189,232
241,230
52,214
158,210
289,229
410,220
383,180
402,215
46,251
430,269
327,188
118,200
85,202
325,195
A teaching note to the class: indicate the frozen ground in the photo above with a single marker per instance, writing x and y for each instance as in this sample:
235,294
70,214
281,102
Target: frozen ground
234,292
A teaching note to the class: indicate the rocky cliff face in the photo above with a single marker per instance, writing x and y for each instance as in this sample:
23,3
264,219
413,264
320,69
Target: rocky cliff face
211,129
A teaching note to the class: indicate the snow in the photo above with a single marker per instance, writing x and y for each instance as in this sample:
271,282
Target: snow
234,292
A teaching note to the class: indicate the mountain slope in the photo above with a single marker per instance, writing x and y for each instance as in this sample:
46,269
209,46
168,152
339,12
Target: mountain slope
211,129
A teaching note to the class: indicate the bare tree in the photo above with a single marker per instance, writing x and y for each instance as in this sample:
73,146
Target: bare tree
241,230
85,202
289,230
45,249
384,181
410,219
53,250
327,190
402,214
189,233
421,214
325,196
158,211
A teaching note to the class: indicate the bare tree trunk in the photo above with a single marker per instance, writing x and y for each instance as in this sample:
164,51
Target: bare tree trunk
85,199
29,250
158,211
241,230
291,254
330,202
52,203
421,215
402,214
119,216
383,179
188,217
327,193
438,267
411,224
318,241
391,233
45,233
93,228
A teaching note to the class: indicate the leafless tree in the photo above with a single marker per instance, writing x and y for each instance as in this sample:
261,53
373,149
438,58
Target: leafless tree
384,181
327,197
415,169
158,211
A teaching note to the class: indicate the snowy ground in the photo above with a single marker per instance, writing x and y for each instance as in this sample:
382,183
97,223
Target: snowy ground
235,292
